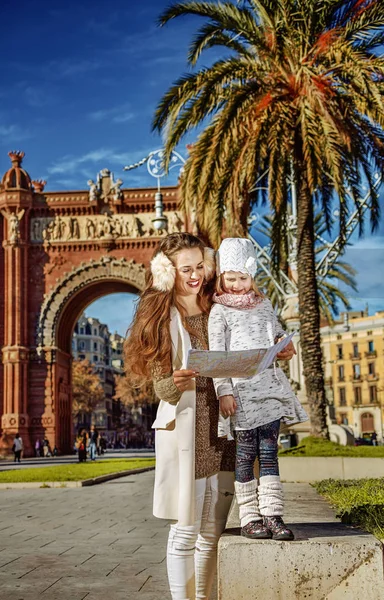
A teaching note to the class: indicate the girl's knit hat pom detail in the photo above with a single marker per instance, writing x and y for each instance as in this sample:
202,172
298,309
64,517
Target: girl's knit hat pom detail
163,273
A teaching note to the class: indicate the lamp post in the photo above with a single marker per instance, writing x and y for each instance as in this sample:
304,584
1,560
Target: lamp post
155,167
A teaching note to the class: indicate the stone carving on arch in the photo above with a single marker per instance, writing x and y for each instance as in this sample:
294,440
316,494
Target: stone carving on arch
107,267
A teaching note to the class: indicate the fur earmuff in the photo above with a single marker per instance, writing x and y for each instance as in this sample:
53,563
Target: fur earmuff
209,263
163,273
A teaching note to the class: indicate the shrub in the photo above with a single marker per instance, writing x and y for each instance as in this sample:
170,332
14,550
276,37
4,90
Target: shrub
311,446
357,501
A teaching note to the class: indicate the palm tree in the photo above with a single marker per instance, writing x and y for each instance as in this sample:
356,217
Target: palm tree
301,94
330,296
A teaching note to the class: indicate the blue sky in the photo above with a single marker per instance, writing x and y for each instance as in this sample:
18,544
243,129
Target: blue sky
78,91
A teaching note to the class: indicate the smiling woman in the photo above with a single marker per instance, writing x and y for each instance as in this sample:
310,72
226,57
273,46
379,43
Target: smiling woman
194,466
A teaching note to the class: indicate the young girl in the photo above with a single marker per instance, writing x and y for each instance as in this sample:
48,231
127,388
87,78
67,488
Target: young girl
242,319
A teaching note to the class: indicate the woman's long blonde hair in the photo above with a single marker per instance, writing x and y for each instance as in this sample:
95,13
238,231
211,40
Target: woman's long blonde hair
148,338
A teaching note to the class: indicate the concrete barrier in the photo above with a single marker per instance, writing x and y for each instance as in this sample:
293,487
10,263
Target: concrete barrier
327,560
304,469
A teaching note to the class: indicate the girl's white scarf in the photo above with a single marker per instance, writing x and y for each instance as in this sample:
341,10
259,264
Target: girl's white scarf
247,301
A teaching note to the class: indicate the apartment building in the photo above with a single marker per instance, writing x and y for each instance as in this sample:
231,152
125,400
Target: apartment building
353,352
92,341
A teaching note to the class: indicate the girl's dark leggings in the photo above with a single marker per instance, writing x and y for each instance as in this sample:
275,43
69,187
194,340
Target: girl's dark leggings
258,443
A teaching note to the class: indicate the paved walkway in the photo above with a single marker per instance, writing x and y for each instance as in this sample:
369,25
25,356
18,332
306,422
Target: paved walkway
97,543
102,542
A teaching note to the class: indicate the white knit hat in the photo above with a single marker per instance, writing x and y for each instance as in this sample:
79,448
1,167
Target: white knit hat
236,254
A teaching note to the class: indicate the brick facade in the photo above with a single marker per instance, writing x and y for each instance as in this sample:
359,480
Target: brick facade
59,252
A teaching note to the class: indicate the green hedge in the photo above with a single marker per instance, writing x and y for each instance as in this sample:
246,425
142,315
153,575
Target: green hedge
357,501
311,446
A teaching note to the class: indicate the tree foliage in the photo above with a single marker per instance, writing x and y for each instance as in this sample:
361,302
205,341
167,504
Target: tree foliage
300,93
302,87
87,390
130,395
330,295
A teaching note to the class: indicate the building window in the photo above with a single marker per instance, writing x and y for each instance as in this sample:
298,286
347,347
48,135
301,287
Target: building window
354,335
371,346
367,423
369,332
82,356
95,345
82,345
357,392
340,351
372,394
355,350
95,359
371,368
341,372
95,332
342,398
339,337
356,371
343,419
81,330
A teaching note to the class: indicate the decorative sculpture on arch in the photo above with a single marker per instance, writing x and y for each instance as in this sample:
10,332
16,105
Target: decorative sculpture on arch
13,224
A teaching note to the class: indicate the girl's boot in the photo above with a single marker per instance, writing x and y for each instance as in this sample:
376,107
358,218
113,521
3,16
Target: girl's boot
251,521
271,504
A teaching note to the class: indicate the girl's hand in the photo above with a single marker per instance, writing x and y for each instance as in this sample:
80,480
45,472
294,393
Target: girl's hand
182,379
227,405
288,352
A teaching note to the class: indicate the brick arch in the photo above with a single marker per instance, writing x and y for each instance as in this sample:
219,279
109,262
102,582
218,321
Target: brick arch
111,274
59,312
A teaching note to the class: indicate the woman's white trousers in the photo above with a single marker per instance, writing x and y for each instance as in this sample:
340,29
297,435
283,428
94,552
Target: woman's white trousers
192,550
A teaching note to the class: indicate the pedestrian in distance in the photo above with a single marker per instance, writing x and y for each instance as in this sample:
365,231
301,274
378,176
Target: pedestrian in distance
17,447
37,448
374,438
46,448
93,442
81,445
102,444
242,318
194,473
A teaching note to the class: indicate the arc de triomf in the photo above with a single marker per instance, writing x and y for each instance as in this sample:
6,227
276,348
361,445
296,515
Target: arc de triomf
59,252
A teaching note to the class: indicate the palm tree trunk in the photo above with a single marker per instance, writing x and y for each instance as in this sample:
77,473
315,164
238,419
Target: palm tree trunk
309,311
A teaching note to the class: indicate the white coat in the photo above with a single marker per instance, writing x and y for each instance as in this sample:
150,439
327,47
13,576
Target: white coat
174,492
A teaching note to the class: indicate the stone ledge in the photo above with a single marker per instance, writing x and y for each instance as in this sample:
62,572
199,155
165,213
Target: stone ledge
327,560
304,469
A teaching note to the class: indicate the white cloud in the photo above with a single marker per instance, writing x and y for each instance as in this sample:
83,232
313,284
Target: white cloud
116,114
72,172
368,243
103,157
37,97
59,69
13,133
124,117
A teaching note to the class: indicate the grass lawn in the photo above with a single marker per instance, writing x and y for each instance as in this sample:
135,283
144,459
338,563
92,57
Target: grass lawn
357,501
75,471
311,446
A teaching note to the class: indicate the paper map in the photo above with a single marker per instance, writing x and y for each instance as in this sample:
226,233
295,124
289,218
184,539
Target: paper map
237,364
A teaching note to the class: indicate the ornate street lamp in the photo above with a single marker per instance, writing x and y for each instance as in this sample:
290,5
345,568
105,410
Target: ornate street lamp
155,166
